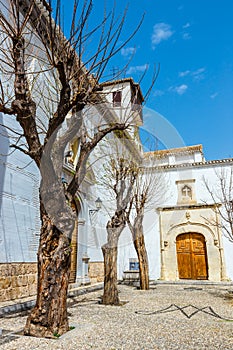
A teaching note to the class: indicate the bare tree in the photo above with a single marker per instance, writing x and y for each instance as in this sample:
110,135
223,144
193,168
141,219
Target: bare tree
120,175
45,78
136,227
147,192
222,196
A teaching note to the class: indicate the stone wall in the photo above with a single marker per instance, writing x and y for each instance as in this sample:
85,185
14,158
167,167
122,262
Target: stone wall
96,271
17,280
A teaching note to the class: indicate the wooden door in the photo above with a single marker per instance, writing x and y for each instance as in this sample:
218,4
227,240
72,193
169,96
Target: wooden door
191,256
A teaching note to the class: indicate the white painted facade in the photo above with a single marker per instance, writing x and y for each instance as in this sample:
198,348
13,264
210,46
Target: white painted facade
170,215
19,203
175,216
19,194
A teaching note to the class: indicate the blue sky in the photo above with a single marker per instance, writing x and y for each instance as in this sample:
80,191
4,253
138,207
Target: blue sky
192,41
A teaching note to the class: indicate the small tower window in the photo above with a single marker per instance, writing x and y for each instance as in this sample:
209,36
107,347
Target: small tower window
187,191
116,98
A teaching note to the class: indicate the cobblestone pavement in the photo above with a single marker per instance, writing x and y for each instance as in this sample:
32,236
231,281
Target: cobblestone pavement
137,325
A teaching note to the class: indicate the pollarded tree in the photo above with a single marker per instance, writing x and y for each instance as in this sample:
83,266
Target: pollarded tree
44,79
147,191
120,175
222,196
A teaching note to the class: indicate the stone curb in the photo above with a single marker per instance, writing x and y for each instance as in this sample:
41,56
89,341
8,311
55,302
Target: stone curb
19,307
14,308
194,282
135,283
83,290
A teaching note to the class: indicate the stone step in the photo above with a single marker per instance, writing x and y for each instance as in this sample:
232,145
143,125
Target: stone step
193,282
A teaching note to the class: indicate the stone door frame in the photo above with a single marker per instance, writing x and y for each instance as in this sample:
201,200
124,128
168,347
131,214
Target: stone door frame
175,221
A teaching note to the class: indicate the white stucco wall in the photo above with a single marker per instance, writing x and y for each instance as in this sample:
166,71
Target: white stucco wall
151,220
19,202
19,213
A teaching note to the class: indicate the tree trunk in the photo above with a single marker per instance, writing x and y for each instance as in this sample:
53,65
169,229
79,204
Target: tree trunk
110,296
49,316
110,250
139,244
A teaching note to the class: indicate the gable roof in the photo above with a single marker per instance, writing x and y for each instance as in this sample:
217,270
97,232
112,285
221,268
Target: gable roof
134,86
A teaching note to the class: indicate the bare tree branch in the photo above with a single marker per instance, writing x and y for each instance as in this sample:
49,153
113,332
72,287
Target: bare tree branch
222,197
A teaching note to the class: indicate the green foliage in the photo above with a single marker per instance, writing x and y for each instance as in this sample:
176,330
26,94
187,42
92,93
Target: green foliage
57,335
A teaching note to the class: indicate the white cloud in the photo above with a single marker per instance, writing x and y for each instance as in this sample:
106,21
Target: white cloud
213,96
197,75
161,32
183,74
198,71
186,36
128,51
180,90
186,25
136,69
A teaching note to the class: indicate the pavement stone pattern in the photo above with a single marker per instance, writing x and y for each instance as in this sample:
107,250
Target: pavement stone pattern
121,328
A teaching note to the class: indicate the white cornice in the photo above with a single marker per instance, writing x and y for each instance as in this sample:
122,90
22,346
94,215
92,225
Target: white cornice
209,163
189,207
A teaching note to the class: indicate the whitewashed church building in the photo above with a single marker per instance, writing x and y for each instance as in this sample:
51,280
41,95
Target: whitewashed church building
181,241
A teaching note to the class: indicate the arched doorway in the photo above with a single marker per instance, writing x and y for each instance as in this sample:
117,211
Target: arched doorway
191,256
